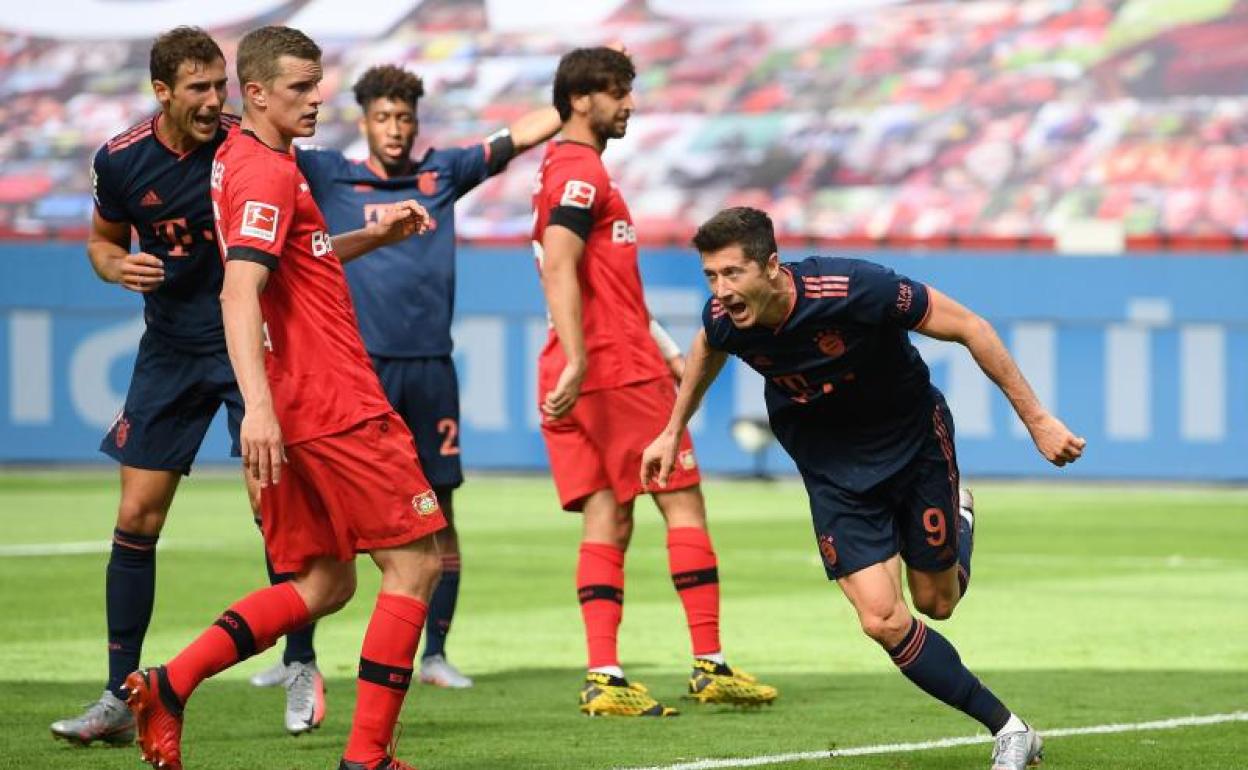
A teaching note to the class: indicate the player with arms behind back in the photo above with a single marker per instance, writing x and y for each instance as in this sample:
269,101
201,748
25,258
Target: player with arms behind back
852,402
153,178
604,387
337,468
405,294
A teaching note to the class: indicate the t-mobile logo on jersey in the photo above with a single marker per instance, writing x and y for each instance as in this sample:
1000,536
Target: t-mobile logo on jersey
623,231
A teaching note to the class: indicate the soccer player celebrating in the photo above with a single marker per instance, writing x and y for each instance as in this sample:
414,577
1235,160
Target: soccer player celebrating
153,178
337,468
404,294
852,402
604,387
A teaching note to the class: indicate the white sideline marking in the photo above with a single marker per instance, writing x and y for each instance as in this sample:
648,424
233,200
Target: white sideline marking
79,548
944,743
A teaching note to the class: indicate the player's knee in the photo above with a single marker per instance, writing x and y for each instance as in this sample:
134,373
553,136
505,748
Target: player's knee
936,606
139,517
885,627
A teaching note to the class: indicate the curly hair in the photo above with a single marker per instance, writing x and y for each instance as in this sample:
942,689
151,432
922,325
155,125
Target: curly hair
178,45
590,70
388,82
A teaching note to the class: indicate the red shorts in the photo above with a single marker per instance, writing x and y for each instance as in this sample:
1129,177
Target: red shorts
353,491
598,444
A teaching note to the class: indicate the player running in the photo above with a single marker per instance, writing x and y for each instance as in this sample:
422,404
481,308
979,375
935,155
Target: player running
337,468
852,402
153,178
404,294
604,388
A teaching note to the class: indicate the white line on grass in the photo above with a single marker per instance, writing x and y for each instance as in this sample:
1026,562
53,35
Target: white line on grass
78,548
944,743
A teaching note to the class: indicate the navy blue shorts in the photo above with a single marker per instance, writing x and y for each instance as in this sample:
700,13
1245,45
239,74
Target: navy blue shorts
425,393
913,512
172,399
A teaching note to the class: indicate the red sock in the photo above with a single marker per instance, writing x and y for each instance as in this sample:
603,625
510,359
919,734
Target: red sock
695,573
385,674
600,587
250,625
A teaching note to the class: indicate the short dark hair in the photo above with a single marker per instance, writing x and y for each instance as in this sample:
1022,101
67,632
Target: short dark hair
388,82
260,49
178,45
749,228
590,70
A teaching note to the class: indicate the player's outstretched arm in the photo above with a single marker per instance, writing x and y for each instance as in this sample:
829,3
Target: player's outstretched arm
561,252
702,366
402,220
948,320
533,128
108,248
260,434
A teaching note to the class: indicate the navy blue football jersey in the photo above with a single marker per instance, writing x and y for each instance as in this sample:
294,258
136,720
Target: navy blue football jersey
404,294
163,194
847,393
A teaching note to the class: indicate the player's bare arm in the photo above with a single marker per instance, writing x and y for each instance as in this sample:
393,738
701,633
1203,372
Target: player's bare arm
668,349
402,220
108,247
260,433
702,366
562,250
533,128
950,321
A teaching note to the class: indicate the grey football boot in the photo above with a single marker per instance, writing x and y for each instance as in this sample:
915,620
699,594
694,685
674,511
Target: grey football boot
1017,750
305,698
108,720
270,677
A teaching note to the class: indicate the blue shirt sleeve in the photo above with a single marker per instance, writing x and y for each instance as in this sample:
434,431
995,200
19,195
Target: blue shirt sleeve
881,297
108,201
468,166
717,326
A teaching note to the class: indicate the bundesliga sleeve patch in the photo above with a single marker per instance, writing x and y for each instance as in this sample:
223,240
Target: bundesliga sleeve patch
259,221
578,194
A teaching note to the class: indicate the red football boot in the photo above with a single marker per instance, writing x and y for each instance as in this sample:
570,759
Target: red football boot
157,717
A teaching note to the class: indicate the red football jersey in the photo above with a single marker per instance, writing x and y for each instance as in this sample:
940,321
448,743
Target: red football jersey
321,377
574,191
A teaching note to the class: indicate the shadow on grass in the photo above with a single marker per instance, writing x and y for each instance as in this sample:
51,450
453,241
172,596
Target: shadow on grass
528,719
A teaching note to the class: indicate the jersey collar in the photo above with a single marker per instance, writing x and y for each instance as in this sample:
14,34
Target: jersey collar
780,326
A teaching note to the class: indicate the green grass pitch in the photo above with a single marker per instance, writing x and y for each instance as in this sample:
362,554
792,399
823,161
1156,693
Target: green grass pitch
1089,605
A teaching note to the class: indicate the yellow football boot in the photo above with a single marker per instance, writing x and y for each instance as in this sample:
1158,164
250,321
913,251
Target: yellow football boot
713,682
606,695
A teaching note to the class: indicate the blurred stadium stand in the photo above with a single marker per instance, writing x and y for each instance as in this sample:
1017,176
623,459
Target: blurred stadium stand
960,124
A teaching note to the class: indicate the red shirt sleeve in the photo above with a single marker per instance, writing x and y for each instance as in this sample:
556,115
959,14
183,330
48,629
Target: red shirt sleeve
259,203
575,193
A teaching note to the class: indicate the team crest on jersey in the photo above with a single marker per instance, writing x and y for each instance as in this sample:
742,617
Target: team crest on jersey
260,221
830,343
427,182
687,460
827,549
425,503
578,194
121,431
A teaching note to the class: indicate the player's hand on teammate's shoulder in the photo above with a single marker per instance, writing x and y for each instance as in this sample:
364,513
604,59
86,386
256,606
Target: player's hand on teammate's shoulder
260,437
1055,441
141,272
401,220
658,458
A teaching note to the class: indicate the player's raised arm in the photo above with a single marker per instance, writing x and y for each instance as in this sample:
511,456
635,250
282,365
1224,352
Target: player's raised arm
950,321
533,128
702,366
561,252
260,434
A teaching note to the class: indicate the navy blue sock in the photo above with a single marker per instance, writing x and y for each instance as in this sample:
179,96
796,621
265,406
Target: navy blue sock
129,593
931,662
966,546
298,643
442,607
